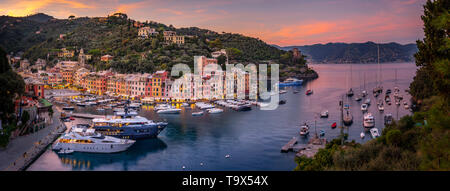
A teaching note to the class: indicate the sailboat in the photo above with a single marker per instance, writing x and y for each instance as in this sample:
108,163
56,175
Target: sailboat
364,92
359,96
380,105
378,89
309,91
350,91
346,114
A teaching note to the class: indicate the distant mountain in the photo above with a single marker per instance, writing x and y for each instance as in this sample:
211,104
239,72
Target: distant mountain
356,52
39,17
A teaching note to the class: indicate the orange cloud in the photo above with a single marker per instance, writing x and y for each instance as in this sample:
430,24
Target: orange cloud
305,29
27,7
165,10
124,8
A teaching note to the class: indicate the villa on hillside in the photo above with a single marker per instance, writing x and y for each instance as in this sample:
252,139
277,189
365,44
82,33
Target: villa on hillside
107,58
145,32
171,37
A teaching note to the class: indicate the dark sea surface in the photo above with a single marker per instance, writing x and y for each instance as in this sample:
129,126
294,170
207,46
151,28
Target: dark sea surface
253,139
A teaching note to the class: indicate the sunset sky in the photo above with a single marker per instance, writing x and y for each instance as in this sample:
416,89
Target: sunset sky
288,22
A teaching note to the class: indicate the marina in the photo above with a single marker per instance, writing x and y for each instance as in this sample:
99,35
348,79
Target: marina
189,140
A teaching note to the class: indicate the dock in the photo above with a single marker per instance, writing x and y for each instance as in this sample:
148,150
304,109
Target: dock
310,149
86,115
289,146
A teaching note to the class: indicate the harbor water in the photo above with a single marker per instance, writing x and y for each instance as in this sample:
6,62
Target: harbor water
252,139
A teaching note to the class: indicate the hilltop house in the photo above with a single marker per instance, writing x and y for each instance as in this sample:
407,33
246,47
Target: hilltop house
145,32
107,58
171,37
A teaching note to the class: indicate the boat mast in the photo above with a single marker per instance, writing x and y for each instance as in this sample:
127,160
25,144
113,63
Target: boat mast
341,105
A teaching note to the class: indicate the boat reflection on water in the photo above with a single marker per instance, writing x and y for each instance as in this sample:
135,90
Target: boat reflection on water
91,161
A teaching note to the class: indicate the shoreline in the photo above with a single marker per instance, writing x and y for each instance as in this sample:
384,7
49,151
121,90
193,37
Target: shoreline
34,151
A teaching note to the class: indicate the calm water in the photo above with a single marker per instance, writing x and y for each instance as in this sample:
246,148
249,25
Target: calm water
253,139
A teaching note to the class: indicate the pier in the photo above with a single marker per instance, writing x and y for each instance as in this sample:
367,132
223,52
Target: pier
289,146
85,115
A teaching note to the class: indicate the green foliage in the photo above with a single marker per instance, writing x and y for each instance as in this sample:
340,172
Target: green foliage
433,77
25,117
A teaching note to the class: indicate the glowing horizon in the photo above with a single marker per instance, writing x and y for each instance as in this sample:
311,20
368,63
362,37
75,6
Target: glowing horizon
282,23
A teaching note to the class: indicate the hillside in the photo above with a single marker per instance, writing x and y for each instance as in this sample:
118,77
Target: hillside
357,52
38,35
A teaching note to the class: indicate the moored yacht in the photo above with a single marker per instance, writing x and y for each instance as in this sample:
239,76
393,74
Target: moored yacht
374,132
81,139
304,130
128,125
214,110
291,82
350,92
364,107
169,111
369,120
324,114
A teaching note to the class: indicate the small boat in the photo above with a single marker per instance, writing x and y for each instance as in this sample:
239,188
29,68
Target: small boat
309,92
374,132
304,130
71,118
376,94
169,111
334,125
364,93
227,156
324,114
364,107
362,135
367,101
282,92
388,119
197,113
369,120
380,107
350,92
281,102
322,133
347,117
358,98
68,108
406,106
65,151
388,91
214,110
82,104
296,91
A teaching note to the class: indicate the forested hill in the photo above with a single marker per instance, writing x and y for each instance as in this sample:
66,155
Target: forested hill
357,52
38,35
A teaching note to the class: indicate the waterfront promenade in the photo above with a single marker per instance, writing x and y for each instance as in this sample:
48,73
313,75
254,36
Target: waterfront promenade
23,150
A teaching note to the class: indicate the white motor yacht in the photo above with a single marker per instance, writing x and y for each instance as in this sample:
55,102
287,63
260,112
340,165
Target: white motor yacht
214,110
369,120
374,132
81,139
169,111
364,107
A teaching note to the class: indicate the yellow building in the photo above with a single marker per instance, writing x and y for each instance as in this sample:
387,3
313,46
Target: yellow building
172,37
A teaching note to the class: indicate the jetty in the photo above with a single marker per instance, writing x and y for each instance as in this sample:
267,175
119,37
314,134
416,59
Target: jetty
86,115
312,147
289,146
